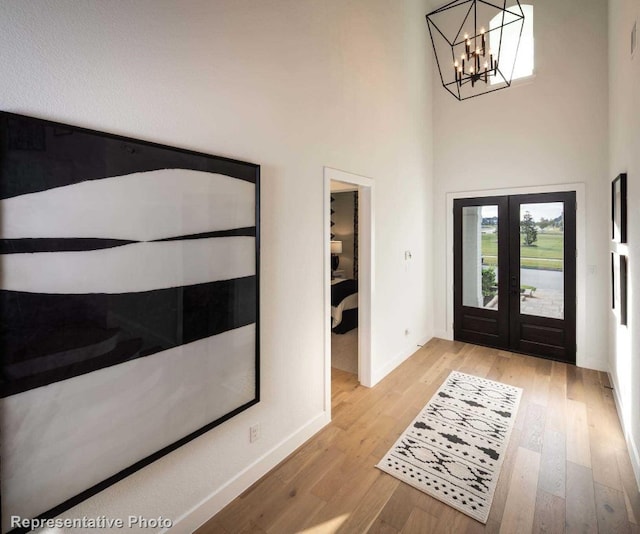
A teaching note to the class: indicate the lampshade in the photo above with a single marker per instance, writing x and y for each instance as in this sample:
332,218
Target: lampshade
336,247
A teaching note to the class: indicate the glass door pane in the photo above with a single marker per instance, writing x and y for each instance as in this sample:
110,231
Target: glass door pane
542,259
480,256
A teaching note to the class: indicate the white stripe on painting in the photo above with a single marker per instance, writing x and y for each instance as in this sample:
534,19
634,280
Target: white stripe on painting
141,206
131,268
75,433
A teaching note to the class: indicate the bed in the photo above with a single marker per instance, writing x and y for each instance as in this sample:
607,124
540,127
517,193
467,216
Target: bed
344,305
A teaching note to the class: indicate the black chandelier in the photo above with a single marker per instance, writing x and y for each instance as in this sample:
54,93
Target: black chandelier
467,38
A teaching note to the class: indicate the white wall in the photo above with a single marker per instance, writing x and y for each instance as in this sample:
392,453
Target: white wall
292,85
624,152
551,129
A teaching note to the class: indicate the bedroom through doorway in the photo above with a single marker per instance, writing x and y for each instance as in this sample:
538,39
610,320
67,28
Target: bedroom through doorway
348,245
344,276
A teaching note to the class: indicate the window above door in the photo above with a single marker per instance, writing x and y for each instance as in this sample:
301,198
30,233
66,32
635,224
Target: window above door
523,66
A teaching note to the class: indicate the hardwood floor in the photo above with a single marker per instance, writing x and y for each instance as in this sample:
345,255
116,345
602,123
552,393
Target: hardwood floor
567,468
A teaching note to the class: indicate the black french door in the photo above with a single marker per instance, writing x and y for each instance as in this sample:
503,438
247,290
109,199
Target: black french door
515,273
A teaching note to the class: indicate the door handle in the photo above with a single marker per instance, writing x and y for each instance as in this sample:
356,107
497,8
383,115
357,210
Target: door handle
514,285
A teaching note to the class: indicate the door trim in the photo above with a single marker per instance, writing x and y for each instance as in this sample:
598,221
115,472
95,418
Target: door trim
365,275
581,261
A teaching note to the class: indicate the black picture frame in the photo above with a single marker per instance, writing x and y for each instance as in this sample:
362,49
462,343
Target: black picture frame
623,274
619,282
619,209
614,278
40,157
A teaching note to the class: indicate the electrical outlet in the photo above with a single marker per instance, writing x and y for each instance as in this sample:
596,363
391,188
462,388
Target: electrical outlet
254,432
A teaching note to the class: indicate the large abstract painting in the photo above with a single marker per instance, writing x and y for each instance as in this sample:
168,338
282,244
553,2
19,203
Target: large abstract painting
128,306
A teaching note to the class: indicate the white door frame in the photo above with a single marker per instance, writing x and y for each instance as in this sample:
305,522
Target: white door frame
581,260
365,274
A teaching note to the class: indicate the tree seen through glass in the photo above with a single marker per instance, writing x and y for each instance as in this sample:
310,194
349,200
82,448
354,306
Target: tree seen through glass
541,258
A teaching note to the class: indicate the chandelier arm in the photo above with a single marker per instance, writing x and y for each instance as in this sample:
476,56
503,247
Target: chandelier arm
465,81
485,92
455,95
512,22
513,68
508,82
450,5
499,27
455,63
464,21
458,95
475,31
501,30
505,9
448,84
433,44
440,32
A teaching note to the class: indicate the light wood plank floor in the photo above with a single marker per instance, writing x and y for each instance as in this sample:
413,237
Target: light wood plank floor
567,468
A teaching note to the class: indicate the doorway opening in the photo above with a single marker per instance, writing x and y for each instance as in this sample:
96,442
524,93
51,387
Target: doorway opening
348,275
515,273
344,276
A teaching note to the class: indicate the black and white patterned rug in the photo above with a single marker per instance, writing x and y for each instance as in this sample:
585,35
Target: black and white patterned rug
454,449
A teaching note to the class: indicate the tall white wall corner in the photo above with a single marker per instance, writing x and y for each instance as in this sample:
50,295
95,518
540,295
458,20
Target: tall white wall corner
634,451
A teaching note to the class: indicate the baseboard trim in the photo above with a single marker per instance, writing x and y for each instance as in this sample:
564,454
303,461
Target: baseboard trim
634,455
445,334
211,505
379,374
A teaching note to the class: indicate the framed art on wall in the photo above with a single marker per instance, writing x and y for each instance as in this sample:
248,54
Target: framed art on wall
614,277
619,274
623,274
619,209
129,303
